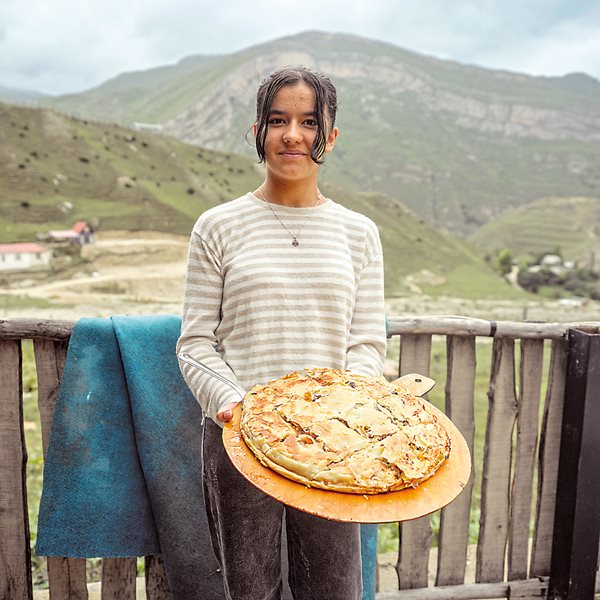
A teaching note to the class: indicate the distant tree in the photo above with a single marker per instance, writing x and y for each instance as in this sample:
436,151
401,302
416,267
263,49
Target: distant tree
504,261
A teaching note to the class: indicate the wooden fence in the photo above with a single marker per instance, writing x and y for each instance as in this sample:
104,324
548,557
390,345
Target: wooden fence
520,463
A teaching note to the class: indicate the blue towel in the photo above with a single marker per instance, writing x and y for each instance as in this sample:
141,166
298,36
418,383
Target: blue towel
123,471
122,475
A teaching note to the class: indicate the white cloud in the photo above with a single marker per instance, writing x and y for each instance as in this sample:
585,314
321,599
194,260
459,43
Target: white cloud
570,46
63,45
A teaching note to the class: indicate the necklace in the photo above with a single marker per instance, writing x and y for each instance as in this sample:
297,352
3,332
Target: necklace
295,241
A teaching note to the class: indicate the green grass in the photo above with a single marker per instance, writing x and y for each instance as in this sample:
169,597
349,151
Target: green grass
8,301
35,456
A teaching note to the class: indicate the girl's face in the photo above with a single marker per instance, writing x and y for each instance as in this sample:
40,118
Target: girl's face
291,132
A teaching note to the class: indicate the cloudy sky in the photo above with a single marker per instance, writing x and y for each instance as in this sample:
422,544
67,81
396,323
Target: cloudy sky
61,46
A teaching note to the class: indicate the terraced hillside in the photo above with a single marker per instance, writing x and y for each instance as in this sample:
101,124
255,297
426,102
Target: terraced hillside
571,225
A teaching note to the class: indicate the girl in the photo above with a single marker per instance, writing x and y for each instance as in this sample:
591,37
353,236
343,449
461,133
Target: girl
279,280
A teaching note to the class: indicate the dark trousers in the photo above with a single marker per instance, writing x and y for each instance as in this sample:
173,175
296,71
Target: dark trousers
245,527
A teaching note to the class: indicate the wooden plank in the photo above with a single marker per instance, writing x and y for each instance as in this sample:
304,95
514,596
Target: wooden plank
415,536
460,407
548,461
157,586
454,325
15,554
66,576
24,329
523,589
118,578
50,359
529,589
532,359
60,330
469,591
493,524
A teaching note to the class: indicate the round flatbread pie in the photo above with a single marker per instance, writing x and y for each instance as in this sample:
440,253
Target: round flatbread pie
344,432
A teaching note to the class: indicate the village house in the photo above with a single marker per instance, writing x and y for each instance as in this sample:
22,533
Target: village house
155,127
81,233
554,264
23,256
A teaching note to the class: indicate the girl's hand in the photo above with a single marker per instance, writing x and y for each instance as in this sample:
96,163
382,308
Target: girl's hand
226,413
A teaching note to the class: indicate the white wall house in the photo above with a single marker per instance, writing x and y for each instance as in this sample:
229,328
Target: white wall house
147,126
22,256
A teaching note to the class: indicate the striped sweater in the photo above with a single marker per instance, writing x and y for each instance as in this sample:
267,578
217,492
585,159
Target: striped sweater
256,307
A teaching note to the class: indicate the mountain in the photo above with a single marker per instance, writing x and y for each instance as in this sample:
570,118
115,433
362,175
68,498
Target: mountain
18,96
579,83
458,144
571,225
56,170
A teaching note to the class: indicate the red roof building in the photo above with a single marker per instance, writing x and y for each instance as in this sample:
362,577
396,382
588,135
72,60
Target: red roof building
80,233
23,248
80,227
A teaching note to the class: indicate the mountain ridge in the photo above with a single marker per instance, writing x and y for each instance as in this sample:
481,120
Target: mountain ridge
459,144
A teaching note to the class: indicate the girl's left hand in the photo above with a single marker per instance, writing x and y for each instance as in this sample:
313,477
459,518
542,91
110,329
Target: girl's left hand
226,413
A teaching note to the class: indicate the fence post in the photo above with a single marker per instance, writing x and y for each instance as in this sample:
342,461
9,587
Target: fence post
577,515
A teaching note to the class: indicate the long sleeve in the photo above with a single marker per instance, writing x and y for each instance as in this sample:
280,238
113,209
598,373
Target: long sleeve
201,317
367,341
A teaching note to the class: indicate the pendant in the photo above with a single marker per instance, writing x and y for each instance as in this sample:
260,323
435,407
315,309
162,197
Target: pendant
295,242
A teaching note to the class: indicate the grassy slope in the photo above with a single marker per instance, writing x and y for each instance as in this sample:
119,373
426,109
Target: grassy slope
572,224
152,96
411,245
51,161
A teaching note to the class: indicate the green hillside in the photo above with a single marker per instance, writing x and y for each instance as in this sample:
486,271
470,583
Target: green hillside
437,263
151,96
569,224
458,144
57,170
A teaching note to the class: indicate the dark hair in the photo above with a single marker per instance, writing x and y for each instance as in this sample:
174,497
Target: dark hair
325,105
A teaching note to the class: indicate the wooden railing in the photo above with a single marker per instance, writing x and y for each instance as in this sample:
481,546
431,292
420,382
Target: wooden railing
520,462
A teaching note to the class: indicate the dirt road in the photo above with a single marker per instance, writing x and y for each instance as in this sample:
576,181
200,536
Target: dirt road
145,274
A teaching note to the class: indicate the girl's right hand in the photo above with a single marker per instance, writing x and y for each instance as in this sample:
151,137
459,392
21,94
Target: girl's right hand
226,413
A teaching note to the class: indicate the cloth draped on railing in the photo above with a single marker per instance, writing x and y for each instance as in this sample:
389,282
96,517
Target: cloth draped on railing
122,475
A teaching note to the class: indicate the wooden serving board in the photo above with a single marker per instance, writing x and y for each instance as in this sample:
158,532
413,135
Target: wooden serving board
411,503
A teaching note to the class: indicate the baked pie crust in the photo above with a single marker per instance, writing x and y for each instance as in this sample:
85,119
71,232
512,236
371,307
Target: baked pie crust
344,432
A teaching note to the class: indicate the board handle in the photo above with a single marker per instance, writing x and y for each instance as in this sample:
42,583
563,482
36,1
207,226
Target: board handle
415,384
